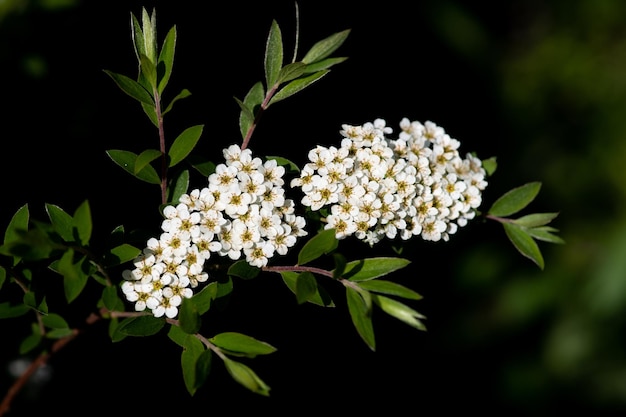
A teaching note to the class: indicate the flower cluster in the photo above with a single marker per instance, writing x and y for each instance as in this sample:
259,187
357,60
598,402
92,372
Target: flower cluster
243,212
374,187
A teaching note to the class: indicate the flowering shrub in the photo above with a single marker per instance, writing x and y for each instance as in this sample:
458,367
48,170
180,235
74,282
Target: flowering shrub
371,186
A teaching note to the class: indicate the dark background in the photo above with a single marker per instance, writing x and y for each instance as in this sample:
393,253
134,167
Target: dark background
540,86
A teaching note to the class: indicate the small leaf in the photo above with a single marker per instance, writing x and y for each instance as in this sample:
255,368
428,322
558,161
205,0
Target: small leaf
180,186
536,219
83,223
183,94
241,345
289,165
296,86
252,100
132,88
19,221
192,351
524,243
370,268
202,299
400,311
147,325
390,288
166,58
62,222
323,64
490,165
74,278
188,317
111,298
322,243
290,72
246,377
8,311
320,298
361,317
121,254
325,47
126,160
515,200
273,55
54,321
306,287
243,270
184,144
545,234
145,158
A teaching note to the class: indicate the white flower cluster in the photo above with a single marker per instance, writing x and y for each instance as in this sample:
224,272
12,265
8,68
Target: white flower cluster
242,212
379,187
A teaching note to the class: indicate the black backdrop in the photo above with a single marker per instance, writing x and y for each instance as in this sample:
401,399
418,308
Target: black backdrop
60,120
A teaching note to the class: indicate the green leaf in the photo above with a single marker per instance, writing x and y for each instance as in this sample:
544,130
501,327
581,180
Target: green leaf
273,60
148,72
127,159
243,270
166,58
61,221
189,317
246,377
296,86
147,325
137,37
183,94
111,299
360,313
545,234
524,243
180,186
184,144
144,158
390,288
132,88
400,311
252,100
306,287
8,311
19,222
193,349
121,254
490,165
202,165
3,276
238,344
325,47
536,219
322,243
54,321
83,223
323,64
32,341
371,268
321,297
74,278
202,299
150,111
289,165
290,72
515,200
33,245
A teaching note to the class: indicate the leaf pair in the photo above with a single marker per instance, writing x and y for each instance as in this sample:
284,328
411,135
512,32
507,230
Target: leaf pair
524,231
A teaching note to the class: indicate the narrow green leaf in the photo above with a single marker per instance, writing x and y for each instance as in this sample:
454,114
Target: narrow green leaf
126,160
273,61
181,186
147,325
121,254
30,342
251,101
203,299
111,298
189,317
306,287
321,296
54,321
322,243
184,144
289,165
149,33
149,72
166,58
325,47
74,278
32,245
62,222
290,72
296,86
83,223
246,377
3,276
370,268
515,200
8,311
524,243
239,344
390,288
183,94
150,111
202,165
137,37
19,222
361,317
243,270
400,311
545,234
144,158
535,219
490,165
323,64
132,88
192,351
